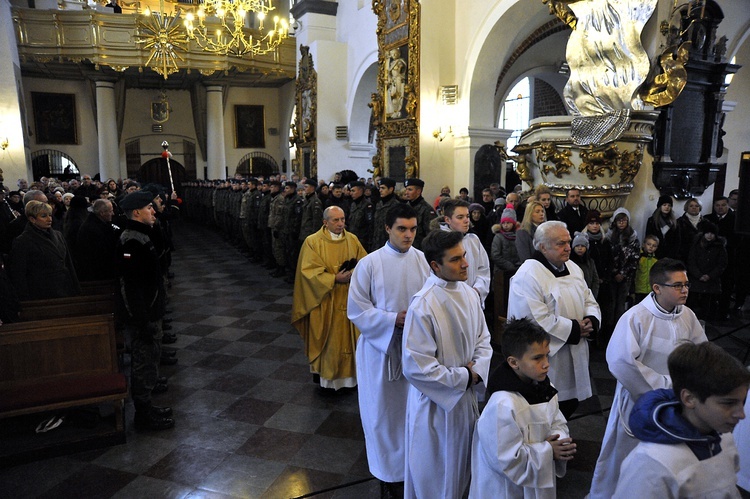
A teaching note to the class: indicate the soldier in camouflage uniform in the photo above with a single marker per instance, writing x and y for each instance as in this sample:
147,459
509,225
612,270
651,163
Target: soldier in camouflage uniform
387,200
270,190
312,211
425,212
255,238
276,221
360,218
293,205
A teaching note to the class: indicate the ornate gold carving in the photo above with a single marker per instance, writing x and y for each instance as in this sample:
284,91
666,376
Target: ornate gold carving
119,68
560,9
304,134
594,162
668,85
630,163
396,103
521,160
207,72
560,159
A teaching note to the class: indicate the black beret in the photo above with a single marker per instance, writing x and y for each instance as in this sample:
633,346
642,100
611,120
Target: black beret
416,182
357,184
291,184
311,181
388,182
136,200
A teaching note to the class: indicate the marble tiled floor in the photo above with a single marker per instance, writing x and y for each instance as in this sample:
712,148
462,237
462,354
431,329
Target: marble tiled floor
249,420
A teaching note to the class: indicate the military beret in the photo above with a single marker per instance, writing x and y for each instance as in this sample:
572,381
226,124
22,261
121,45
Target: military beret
416,182
388,182
136,200
291,184
311,181
357,184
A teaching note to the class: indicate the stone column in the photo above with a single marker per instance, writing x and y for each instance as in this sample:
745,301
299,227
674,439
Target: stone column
106,122
217,157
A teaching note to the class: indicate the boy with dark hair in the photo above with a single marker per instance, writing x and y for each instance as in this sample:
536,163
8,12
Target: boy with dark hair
687,449
507,459
637,357
446,352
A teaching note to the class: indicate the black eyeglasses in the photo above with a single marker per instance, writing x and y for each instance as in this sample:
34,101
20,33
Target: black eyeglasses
678,286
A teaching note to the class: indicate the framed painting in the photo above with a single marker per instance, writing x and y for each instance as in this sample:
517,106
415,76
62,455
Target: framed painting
249,127
54,118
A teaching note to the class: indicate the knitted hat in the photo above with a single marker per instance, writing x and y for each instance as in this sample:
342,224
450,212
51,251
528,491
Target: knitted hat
593,216
705,226
509,215
476,207
581,239
499,202
664,200
620,211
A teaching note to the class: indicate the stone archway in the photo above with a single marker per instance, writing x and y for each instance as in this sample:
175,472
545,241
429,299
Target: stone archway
154,171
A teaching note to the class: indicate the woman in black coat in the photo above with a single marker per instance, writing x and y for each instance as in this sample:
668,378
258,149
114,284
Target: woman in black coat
40,264
663,226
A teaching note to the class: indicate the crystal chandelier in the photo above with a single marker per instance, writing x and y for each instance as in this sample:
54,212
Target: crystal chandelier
218,26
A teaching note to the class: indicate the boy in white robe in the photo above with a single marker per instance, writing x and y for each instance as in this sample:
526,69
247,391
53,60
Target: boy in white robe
551,290
686,448
446,352
382,285
456,218
637,355
521,441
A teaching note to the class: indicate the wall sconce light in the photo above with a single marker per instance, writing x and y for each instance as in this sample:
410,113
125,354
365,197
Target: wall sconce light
4,143
448,97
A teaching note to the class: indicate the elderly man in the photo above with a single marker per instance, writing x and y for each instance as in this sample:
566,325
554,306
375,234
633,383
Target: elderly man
551,291
321,286
378,308
96,244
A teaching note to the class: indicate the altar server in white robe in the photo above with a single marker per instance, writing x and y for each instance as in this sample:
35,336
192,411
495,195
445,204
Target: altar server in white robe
637,355
446,352
456,218
551,290
382,286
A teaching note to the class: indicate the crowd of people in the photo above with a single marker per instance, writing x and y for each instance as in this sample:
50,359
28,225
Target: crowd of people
390,293
56,235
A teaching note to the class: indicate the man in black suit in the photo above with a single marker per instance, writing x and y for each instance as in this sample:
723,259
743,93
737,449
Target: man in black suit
723,218
574,212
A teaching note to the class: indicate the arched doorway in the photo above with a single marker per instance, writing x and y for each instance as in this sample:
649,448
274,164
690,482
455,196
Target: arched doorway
155,171
53,163
257,164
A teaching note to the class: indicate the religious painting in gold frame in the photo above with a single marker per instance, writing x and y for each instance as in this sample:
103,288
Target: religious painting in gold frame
395,105
249,127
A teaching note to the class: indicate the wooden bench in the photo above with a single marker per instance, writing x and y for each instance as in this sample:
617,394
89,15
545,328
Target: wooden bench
69,307
98,287
54,364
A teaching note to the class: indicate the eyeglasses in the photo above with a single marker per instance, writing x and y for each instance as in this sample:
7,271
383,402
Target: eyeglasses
679,286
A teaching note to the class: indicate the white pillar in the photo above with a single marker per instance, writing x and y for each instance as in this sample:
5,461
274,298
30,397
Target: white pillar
466,146
217,156
15,160
106,122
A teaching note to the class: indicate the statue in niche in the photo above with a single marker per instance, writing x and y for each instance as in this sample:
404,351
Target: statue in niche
395,88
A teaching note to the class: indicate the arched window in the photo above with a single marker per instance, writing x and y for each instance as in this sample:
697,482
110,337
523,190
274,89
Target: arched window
516,111
53,163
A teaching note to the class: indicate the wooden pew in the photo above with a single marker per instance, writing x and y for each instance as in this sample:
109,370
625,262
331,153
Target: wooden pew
53,365
98,287
72,306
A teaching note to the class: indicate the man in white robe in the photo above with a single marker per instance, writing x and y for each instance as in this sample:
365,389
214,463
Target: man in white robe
551,290
637,355
446,352
456,218
382,285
